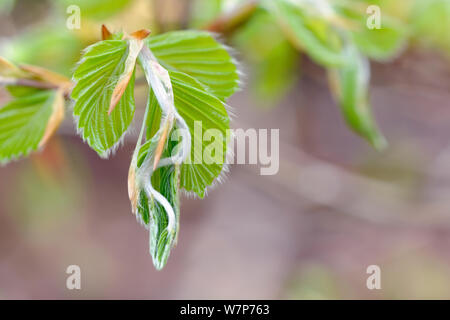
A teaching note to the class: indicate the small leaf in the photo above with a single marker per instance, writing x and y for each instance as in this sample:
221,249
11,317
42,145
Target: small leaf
380,44
151,211
308,32
28,121
162,241
350,85
199,55
97,76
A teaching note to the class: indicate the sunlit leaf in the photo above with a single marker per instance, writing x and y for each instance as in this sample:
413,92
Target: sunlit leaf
380,43
97,75
193,103
199,55
271,56
28,121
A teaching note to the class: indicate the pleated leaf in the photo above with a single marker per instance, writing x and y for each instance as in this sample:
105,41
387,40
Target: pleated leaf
97,75
199,55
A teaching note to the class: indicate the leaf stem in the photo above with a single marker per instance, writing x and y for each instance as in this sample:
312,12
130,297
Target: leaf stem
6,81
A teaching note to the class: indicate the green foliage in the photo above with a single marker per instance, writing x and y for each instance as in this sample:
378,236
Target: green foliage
190,76
97,75
274,62
308,31
431,23
194,103
161,240
24,121
49,46
199,55
350,86
335,35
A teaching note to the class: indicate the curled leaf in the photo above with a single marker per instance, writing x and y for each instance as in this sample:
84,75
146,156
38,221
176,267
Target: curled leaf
350,85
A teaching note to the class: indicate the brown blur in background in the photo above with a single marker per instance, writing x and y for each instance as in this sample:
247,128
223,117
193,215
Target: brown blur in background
335,207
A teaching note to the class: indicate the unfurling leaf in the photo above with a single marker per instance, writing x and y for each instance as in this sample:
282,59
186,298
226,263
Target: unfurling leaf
28,121
102,67
350,86
201,111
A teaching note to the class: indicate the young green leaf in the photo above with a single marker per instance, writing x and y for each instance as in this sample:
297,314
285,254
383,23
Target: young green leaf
161,240
199,55
308,32
157,198
350,85
97,76
28,121
201,111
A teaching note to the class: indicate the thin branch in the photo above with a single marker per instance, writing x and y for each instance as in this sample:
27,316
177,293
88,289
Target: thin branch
4,81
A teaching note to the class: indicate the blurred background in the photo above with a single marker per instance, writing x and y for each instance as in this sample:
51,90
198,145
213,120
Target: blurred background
309,232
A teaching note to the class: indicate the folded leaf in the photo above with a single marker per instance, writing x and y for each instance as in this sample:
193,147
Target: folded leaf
97,76
194,103
150,212
350,85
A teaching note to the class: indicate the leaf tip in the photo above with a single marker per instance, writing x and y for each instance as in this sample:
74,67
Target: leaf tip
106,34
140,34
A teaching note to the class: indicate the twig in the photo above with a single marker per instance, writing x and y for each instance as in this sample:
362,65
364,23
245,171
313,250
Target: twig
4,81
